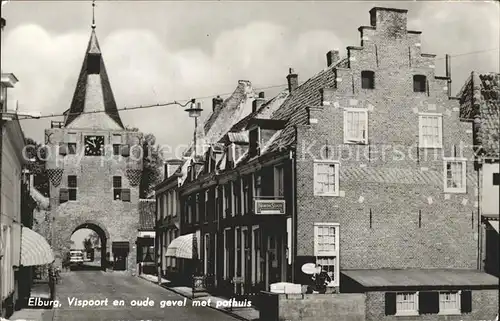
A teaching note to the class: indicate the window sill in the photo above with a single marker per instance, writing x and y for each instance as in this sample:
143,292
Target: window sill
406,314
450,312
354,142
431,147
327,194
455,191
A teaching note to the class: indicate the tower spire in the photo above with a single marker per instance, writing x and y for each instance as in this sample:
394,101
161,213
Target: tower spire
93,14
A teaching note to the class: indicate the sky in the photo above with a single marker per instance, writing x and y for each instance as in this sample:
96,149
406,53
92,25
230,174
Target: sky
160,51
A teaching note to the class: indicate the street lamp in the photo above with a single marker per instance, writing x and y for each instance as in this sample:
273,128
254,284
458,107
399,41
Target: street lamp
194,112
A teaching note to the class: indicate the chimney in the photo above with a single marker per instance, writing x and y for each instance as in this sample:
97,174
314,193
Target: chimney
332,57
293,80
171,166
259,101
216,102
390,21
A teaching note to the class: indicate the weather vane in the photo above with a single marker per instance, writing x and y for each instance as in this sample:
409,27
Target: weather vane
93,14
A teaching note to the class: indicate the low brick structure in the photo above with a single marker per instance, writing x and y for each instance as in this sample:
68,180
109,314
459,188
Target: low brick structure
312,307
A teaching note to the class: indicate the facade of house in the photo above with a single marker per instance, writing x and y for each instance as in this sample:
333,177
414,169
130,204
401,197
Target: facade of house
365,169
225,113
146,236
17,238
94,164
479,99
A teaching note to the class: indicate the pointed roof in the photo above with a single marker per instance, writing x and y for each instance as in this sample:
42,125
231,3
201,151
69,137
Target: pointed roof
93,102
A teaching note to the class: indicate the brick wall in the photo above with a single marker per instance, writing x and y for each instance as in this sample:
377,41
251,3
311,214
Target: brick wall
414,222
484,307
313,307
95,203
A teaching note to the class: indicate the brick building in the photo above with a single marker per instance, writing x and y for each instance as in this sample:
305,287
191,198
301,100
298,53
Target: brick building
225,113
364,169
480,105
95,164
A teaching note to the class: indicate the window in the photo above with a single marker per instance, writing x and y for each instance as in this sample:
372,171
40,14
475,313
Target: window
419,83
325,239
197,208
279,181
236,197
449,302
326,250
328,263
430,131
326,178
246,194
117,187
117,143
254,139
174,203
257,184
455,176
367,79
72,139
407,303
355,125
72,187
206,254
93,64
227,200
207,204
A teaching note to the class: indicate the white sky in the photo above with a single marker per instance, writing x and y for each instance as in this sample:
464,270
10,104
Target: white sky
158,51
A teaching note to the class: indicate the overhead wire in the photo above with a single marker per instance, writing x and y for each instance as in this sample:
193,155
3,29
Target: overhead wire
175,102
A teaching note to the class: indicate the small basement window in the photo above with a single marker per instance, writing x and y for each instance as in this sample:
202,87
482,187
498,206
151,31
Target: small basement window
419,83
367,79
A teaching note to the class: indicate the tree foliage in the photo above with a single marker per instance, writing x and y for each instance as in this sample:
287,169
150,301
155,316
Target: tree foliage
87,244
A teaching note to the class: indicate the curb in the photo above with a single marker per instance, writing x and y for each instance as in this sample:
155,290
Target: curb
230,313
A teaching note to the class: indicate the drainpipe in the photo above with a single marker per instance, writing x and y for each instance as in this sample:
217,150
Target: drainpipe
293,250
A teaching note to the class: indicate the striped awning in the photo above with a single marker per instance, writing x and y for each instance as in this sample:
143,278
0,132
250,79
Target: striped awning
181,247
494,224
34,249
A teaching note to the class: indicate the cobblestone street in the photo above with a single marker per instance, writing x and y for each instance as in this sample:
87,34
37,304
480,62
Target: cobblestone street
98,285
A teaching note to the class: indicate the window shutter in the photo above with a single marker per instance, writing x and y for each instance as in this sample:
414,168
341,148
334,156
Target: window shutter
126,195
63,149
428,302
125,150
63,195
466,301
390,303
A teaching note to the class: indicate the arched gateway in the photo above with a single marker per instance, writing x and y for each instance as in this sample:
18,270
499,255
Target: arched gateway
93,167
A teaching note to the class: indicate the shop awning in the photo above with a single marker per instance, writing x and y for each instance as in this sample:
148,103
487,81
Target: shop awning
34,249
494,224
420,277
181,247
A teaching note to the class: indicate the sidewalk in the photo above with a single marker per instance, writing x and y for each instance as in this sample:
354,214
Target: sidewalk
245,314
33,315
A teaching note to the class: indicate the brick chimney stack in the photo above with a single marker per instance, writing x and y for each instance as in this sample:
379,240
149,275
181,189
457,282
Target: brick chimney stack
216,102
259,101
332,57
293,80
390,21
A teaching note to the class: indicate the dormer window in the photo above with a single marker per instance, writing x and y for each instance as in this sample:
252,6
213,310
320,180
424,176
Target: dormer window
254,139
93,64
367,79
419,83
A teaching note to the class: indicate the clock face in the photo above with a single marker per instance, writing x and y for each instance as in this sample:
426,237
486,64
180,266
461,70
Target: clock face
94,145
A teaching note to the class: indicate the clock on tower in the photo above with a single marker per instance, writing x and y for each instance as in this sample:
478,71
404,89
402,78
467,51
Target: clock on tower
94,145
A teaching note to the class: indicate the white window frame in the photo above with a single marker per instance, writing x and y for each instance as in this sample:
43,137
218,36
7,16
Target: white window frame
421,142
463,188
334,253
453,311
407,312
355,140
336,191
